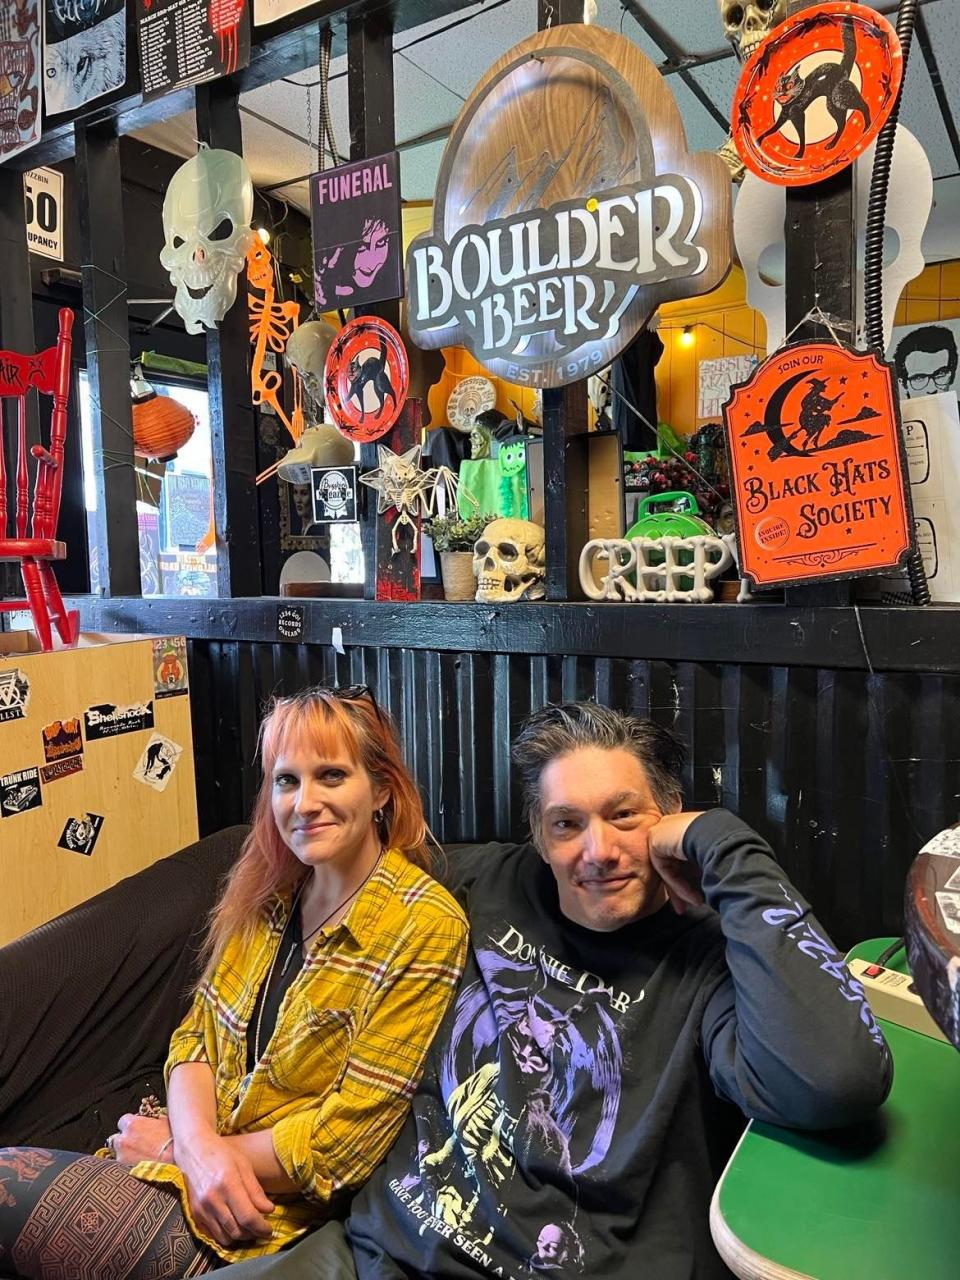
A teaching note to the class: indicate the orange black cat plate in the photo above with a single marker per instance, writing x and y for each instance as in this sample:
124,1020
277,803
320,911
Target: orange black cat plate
366,378
816,93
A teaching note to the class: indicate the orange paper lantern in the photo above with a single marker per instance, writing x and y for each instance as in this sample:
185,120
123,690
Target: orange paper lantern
161,426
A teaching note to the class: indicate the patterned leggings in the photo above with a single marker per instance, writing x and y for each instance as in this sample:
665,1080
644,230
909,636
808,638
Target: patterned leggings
64,1215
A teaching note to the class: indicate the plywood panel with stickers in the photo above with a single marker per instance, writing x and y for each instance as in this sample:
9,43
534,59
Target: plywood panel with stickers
96,769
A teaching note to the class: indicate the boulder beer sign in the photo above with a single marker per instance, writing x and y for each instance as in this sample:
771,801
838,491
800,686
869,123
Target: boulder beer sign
568,208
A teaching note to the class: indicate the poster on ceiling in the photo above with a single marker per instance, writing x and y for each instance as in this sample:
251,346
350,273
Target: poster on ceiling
84,51
184,42
19,77
357,241
925,358
265,11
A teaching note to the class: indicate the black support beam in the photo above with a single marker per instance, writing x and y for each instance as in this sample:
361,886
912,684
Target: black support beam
820,273
925,641
370,99
232,423
106,333
564,416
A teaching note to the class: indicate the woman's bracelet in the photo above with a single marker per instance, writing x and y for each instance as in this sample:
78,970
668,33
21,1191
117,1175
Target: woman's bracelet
168,1143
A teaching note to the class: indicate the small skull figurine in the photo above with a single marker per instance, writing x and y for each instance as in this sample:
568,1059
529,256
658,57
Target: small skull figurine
746,22
510,562
207,233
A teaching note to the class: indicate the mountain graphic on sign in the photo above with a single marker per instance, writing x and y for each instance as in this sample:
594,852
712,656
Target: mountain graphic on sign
594,159
811,428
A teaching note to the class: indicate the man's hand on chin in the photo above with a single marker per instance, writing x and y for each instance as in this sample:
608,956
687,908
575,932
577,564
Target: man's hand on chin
681,877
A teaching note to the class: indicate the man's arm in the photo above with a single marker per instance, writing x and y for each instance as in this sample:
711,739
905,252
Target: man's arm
788,1034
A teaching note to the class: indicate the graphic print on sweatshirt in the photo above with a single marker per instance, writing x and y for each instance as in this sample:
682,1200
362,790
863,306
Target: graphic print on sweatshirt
531,1080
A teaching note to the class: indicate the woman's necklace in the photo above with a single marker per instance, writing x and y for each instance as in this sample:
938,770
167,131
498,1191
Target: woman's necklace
300,943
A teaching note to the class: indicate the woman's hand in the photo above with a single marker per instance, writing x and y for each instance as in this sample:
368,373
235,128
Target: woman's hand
681,877
226,1197
140,1138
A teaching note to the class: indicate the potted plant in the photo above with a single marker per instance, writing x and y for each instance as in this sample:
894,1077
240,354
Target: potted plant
453,538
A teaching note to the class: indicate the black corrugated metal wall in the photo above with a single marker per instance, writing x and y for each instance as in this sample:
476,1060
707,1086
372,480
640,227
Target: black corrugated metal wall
846,773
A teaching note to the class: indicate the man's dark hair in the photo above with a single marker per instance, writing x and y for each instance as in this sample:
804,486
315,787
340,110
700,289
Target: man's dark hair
570,726
928,339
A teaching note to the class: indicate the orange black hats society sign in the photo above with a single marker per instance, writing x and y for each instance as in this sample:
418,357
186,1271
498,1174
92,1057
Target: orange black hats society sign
817,466
366,378
816,93
568,207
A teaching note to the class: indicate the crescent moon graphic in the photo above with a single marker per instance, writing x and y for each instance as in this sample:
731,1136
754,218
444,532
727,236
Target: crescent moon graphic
779,444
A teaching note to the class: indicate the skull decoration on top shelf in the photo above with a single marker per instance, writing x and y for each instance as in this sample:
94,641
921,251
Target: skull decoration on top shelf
206,226
747,22
510,562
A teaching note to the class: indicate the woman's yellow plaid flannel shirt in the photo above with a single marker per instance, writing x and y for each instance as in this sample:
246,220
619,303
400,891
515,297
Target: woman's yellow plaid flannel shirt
336,1079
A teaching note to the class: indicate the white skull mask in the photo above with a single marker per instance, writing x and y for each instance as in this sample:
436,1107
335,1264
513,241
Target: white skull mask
758,228
206,227
746,22
307,354
510,562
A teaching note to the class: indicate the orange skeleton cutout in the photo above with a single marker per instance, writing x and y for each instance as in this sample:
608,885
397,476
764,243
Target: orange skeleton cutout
271,324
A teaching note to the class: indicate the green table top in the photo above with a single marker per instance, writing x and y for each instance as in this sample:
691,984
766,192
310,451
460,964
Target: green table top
882,1202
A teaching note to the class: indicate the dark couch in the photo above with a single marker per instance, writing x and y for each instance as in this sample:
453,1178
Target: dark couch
88,1002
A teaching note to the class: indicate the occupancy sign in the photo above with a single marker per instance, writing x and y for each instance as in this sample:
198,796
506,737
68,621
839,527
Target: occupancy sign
817,466
190,42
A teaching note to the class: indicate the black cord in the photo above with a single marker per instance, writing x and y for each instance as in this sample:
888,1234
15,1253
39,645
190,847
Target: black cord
895,947
873,258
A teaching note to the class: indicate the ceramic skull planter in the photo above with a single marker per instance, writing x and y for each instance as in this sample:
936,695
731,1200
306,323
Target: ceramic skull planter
510,562
207,233
747,22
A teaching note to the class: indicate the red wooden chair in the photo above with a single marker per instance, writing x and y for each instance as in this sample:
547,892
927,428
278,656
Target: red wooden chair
49,372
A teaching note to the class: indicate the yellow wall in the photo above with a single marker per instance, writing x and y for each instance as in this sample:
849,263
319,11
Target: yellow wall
934,295
722,325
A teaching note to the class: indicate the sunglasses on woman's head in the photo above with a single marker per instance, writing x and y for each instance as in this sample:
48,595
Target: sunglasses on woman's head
353,692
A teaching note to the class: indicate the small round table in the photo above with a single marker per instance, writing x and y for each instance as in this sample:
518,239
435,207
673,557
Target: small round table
932,926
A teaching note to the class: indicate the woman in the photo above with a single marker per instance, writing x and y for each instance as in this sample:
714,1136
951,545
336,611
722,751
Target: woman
331,958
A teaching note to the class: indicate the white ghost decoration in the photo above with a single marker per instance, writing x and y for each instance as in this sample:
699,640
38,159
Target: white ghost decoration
758,228
206,226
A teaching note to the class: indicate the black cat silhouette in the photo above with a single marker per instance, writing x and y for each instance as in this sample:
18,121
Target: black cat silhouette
830,80
373,369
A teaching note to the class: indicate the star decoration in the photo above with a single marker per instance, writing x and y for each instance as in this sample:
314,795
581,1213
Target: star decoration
399,481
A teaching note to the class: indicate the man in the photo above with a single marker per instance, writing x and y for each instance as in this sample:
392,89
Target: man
632,973
926,361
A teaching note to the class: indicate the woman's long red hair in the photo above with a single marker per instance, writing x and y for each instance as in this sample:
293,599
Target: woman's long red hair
318,720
